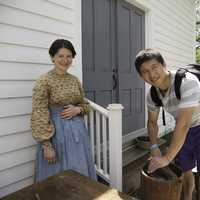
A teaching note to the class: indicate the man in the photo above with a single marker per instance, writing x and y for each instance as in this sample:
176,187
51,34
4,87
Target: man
185,143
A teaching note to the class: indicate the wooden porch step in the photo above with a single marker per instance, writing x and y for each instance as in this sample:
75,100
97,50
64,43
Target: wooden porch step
133,162
134,153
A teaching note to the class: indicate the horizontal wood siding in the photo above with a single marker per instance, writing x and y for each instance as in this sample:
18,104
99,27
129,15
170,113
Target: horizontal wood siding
170,28
27,28
174,31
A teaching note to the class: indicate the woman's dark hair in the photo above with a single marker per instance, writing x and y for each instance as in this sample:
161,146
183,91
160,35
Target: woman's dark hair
61,43
146,55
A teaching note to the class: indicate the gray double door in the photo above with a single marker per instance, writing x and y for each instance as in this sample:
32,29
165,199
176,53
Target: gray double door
112,34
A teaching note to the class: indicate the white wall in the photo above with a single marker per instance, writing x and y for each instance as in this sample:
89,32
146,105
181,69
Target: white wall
170,27
27,28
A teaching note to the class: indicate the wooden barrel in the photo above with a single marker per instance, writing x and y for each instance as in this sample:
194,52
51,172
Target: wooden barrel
154,188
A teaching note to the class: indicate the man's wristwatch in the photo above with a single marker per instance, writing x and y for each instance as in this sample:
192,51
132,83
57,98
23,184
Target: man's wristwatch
153,146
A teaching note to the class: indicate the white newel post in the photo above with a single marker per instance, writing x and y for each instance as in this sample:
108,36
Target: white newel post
115,147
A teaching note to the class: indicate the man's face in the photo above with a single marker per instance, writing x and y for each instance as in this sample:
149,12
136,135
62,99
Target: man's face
153,72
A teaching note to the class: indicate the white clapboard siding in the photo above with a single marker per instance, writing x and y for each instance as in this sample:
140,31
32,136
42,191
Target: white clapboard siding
22,71
183,15
17,157
13,106
16,141
62,14
16,186
172,40
11,89
174,52
32,38
69,4
19,53
16,173
176,58
170,28
14,124
34,21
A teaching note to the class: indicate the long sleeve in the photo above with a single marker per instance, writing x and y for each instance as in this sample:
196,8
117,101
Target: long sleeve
42,128
84,104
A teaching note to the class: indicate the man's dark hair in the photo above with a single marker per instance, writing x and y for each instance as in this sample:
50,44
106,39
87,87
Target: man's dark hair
146,55
61,43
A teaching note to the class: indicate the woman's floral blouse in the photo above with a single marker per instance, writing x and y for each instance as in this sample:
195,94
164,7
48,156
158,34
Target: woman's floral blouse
53,90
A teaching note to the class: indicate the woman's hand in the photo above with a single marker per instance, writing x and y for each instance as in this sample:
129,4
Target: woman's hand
49,153
70,111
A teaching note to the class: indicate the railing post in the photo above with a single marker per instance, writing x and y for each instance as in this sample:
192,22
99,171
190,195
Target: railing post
115,145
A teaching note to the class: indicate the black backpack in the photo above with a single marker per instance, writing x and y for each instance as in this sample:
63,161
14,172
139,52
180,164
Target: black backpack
180,74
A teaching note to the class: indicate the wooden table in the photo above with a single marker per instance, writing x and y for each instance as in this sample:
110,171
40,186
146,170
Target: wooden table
68,185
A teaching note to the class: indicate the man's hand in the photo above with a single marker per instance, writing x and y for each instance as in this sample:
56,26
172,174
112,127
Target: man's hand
70,111
157,162
156,152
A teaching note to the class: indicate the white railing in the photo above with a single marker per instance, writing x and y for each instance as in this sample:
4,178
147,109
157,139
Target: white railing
105,129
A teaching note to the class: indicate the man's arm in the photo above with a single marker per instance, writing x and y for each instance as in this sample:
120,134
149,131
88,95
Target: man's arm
180,132
152,126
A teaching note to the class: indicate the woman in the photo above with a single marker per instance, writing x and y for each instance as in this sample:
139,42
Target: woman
57,118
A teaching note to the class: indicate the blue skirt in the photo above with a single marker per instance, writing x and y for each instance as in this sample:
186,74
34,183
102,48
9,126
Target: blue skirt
72,146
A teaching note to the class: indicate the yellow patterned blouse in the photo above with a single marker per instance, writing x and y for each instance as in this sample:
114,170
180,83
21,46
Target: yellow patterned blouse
53,89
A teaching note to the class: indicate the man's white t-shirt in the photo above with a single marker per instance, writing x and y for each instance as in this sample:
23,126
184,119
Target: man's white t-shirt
190,97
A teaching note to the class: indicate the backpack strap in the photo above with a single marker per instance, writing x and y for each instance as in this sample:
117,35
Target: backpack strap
163,116
180,74
157,101
155,97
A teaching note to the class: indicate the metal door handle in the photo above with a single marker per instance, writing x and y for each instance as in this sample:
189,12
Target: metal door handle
115,78
114,81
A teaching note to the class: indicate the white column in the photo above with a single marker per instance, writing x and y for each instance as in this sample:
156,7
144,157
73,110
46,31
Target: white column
115,145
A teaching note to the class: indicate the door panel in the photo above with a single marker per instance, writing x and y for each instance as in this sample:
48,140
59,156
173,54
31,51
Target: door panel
98,59
130,39
113,32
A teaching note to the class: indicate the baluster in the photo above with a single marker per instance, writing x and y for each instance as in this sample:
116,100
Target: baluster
98,140
92,132
104,129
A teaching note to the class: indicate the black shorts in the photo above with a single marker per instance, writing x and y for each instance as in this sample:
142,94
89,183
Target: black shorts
189,155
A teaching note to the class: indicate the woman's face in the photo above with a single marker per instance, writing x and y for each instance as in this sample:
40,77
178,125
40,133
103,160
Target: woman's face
63,59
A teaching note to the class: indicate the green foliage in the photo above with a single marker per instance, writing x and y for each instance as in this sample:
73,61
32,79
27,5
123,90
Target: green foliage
198,55
198,38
